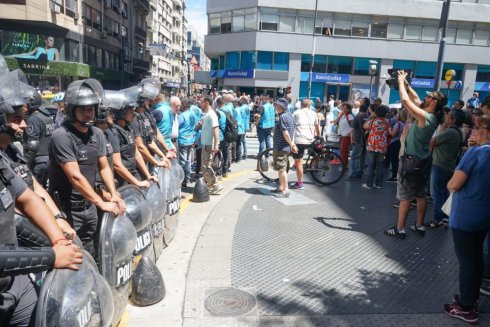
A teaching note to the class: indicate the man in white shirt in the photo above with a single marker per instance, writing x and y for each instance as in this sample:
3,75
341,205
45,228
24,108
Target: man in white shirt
306,128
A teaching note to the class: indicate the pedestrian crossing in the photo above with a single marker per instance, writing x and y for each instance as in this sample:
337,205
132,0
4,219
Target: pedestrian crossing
252,144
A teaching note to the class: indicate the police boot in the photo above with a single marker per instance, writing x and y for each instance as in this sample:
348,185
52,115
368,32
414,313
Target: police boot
148,286
201,192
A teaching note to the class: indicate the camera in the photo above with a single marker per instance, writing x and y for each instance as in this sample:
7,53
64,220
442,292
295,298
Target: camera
392,82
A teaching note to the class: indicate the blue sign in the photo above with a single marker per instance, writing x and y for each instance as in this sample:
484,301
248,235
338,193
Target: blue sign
330,78
237,73
482,86
422,83
174,85
213,73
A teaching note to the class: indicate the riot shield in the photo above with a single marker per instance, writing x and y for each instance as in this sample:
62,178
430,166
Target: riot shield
149,91
165,181
139,212
114,99
117,241
75,298
131,96
7,89
157,202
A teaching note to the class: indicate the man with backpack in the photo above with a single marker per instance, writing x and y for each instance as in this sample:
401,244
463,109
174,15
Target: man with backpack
228,129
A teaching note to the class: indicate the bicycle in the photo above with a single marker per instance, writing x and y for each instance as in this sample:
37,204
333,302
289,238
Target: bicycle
322,162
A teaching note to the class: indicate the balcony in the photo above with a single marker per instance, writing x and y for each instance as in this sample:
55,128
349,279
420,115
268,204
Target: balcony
141,64
139,32
144,5
177,15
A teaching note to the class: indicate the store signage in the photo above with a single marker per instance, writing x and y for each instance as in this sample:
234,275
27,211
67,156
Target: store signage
237,73
174,85
33,66
422,83
482,86
330,78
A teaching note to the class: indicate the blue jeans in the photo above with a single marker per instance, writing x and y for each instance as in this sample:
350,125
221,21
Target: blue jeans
185,160
438,190
357,158
264,135
486,256
375,163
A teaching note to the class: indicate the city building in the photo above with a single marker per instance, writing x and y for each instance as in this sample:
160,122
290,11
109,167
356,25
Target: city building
196,57
256,46
57,41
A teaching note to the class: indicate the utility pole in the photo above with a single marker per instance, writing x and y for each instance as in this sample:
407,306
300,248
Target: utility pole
312,51
442,45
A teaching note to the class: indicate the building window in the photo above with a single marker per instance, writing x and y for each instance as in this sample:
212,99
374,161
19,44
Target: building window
287,23
360,29
96,19
281,61
339,65
71,6
232,60
404,64
225,25
124,31
464,36
264,60
395,31
342,27
481,37
268,22
215,63
87,14
305,25
451,35
98,53
221,62
414,32
483,73
379,29
305,62
248,59
430,33
108,3
238,24
251,22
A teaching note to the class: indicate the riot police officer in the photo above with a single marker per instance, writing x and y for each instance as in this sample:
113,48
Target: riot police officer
17,292
40,127
76,151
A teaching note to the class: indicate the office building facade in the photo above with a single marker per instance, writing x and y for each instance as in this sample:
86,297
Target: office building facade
259,45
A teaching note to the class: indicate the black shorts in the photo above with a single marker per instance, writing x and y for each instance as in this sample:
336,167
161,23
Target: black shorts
301,150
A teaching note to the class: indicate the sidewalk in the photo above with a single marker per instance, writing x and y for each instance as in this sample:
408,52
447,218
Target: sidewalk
317,259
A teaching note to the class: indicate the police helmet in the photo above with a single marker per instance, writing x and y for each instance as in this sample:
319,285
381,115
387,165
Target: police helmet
87,92
30,95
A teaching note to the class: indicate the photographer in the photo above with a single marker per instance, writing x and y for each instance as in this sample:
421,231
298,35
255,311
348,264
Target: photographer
415,163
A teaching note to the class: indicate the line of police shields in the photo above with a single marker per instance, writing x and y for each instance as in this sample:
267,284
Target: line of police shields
128,248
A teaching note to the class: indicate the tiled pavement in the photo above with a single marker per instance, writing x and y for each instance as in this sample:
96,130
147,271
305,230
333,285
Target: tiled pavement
322,263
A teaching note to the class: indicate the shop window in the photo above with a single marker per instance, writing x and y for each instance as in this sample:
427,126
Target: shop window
320,64
483,74
215,63
268,22
404,64
361,66
339,65
281,61
264,60
305,62
232,60
221,62
248,59
424,69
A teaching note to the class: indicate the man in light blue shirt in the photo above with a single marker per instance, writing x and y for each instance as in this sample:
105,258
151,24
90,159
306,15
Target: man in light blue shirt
187,136
166,125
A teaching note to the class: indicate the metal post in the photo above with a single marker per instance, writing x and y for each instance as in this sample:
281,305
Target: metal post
442,45
189,91
370,87
312,51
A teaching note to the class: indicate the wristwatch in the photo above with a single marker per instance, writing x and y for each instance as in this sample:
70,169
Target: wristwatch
61,215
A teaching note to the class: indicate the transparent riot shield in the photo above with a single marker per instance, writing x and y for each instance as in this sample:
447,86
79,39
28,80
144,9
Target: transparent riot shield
157,202
8,95
114,99
75,298
165,178
139,213
117,241
131,96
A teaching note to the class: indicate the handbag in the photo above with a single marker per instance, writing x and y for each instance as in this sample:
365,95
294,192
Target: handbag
415,165
175,128
446,207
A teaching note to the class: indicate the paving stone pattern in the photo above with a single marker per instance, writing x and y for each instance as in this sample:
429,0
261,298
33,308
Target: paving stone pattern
331,258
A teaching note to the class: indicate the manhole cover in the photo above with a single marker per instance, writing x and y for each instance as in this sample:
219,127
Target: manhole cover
229,303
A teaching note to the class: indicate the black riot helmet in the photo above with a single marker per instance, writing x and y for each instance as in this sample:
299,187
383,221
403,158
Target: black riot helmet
7,95
130,101
31,95
88,92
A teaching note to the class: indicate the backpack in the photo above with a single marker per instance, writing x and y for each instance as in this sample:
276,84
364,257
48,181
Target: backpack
231,130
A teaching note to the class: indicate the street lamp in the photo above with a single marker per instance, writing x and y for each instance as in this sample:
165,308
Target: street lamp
373,69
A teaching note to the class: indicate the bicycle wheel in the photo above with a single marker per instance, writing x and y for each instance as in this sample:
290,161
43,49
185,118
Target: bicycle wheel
265,165
326,167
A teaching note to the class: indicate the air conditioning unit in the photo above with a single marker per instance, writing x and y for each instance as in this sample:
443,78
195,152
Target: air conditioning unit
55,8
103,35
76,16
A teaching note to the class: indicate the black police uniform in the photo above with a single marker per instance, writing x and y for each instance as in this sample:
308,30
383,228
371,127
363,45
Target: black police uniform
18,297
19,164
67,145
112,146
40,127
127,150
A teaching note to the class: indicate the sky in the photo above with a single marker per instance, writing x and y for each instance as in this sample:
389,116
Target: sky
196,15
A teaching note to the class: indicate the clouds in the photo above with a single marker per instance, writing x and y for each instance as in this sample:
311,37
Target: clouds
196,15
